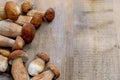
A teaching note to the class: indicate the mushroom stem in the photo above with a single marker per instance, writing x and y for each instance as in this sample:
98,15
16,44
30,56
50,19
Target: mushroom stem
33,11
36,66
23,19
3,63
36,20
10,29
47,75
48,15
8,42
18,71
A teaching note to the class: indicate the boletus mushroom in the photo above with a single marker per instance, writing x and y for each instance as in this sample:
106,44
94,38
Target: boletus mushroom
50,74
38,64
18,71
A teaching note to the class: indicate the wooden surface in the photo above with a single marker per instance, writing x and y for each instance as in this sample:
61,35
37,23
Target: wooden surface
83,40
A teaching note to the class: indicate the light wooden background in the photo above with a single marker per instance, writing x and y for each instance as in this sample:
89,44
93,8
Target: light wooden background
83,40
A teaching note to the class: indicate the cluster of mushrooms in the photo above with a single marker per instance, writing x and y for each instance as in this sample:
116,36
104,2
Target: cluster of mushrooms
18,24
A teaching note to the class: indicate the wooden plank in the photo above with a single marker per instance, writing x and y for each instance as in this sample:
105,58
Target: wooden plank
96,53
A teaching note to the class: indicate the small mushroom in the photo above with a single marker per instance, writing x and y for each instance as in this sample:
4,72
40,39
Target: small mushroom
8,42
36,20
10,29
3,63
50,74
12,10
48,15
26,6
4,52
38,64
18,70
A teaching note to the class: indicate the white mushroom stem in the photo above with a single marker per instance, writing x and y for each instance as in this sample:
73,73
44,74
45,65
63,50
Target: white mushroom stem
23,19
10,29
19,71
36,66
46,75
6,42
3,63
2,13
32,12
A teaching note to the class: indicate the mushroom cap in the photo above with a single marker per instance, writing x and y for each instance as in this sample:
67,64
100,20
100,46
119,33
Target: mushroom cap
26,6
37,20
12,10
18,53
55,70
44,56
4,52
28,32
19,43
49,14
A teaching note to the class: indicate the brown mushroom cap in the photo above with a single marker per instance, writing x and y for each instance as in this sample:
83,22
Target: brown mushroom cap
55,70
49,14
12,10
26,6
18,53
19,43
37,20
4,52
28,32
43,56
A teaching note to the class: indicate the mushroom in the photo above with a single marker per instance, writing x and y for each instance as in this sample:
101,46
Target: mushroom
18,70
12,10
4,52
3,63
26,6
15,44
48,15
10,29
36,20
50,74
5,76
38,64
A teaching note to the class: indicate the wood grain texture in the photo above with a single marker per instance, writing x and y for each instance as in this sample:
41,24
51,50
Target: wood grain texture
83,40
